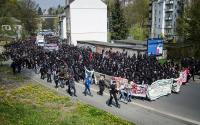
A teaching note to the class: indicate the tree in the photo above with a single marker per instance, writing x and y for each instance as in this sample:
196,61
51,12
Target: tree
23,10
50,11
49,23
40,11
136,14
182,23
137,32
28,15
188,26
118,26
7,9
56,11
194,26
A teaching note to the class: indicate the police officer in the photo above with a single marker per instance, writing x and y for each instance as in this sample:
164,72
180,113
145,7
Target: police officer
113,94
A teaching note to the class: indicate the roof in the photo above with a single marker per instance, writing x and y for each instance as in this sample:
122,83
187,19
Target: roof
131,42
84,2
114,45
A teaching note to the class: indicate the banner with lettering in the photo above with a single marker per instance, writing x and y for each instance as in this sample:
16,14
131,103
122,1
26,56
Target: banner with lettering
139,90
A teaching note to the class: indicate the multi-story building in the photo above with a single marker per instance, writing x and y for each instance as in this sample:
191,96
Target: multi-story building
162,17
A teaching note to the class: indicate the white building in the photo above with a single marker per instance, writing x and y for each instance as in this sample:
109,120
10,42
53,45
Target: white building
16,28
163,16
86,20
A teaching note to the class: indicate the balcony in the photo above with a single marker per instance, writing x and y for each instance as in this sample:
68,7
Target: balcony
168,26
169,2
168,18
169,10
169,34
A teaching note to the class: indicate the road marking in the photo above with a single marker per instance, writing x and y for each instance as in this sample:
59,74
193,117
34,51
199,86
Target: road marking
184,119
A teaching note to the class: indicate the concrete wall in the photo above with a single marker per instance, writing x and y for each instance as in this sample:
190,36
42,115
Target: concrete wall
88,20
99,48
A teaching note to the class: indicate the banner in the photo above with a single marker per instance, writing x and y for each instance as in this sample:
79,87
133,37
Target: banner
159,88
51,47
88,73
176,86
139,90
119,81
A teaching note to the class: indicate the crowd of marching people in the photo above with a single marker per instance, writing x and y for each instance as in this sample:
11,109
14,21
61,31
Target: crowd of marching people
70,64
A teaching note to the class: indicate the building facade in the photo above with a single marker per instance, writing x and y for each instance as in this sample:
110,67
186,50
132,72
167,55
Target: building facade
162,18
62,27
86,20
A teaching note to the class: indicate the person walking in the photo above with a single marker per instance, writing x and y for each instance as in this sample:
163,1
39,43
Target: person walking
87,86
113,94
72,86
101,85
49,75
42,72
56,78
13,66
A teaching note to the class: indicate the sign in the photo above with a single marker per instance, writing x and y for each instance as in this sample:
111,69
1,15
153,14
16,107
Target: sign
155,47
51,47
139,90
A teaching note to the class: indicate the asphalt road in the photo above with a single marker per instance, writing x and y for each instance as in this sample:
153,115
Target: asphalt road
185,104
175,109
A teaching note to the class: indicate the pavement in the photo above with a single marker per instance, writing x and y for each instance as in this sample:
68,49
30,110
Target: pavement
175,109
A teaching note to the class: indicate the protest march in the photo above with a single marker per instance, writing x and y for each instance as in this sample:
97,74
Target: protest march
131,76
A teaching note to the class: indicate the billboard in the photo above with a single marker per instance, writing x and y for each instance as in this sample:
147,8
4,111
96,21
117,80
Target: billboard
155,47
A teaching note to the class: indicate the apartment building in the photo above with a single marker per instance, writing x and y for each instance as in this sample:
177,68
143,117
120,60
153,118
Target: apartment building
162,18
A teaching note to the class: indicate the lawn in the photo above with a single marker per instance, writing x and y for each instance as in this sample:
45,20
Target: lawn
29,103
2,43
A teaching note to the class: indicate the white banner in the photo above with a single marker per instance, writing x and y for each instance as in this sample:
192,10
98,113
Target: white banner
51,47
159,88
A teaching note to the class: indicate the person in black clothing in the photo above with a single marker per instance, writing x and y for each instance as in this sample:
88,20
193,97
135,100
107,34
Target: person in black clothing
13,65
113,94
42,72
101,85
49,75
71,86
192,71
56,79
